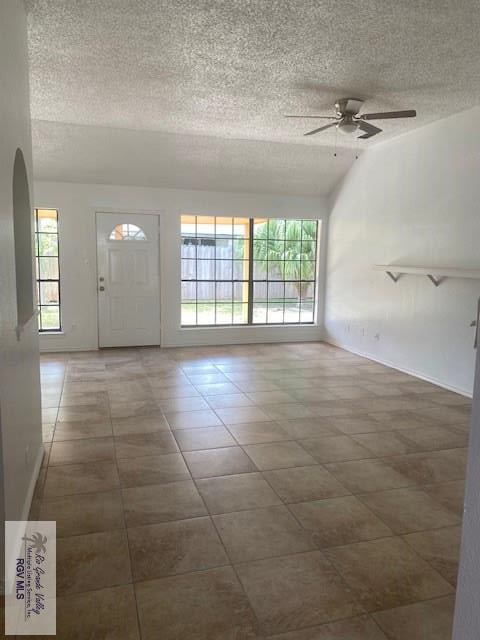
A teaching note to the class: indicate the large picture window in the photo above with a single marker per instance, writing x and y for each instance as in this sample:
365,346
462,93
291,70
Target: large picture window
248,271
48,272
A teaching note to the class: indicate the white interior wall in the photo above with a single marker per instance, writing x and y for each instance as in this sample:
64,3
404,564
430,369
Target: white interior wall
77,204
20,418
410,201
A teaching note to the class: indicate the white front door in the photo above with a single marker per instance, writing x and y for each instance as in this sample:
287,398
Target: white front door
128,282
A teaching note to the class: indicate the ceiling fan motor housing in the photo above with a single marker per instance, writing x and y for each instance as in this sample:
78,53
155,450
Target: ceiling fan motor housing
348,106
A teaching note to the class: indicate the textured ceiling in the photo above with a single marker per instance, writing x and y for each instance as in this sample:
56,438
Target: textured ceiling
103,155
232,68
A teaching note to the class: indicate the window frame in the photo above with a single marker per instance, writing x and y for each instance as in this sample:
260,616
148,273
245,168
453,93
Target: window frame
39,279
196,240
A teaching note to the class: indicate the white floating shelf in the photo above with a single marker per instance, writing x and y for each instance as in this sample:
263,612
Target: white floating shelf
435,274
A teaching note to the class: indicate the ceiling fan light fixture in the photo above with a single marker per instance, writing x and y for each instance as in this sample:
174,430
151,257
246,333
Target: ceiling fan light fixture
347,127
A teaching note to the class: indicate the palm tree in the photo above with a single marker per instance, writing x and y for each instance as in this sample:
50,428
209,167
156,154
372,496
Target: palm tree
287,246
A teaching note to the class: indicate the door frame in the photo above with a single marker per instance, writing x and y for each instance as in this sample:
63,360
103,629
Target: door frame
130,211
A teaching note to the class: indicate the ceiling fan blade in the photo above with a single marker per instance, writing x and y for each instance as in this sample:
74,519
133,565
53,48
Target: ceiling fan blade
408,113
324,117
369,129
327,126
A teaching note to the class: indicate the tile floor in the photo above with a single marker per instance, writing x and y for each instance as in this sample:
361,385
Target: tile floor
293,492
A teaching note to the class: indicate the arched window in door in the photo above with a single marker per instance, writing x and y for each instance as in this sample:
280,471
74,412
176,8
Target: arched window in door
127,231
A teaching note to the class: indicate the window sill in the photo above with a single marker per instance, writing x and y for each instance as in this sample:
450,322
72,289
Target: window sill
51,333
248,326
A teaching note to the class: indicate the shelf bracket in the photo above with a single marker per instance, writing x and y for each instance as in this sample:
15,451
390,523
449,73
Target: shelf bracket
435,279
394,276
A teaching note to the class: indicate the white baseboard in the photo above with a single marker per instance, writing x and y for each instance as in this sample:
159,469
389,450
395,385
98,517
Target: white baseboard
10,563
65,349
392,365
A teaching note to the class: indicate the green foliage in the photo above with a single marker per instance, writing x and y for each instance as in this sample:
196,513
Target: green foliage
288,247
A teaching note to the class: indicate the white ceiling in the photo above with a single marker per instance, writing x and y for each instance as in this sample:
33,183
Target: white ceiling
230,69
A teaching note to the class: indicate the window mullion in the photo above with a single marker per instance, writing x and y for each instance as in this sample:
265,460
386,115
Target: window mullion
250,270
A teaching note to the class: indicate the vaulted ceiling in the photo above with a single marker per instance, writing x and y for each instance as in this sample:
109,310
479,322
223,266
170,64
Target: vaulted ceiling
212,79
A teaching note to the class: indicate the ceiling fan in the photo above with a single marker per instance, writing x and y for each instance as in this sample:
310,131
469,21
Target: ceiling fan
348,119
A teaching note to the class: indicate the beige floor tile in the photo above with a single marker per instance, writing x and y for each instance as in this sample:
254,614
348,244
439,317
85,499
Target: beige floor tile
398,420
339,521
186,545
193,419
309,428
85,386
92,561
134,408
248,383
309,394
217,389
308,591
440,548
351,392
94,413
239,415
385,443
215,377
162,503
229,400
333,408
79,430
130,391
236,493
205,605
387,573
299,484
360,423
78,451
431,467
104,613
84,513
139,424
445,415
173,405
362,476
449,494
144,444
432,438
207,438
288,411
270,397
261,533
313,405
169,391
258,432
409,510
218,462
278,455
334,449
431,620
92,398
358,628
80,478
135,472
47,432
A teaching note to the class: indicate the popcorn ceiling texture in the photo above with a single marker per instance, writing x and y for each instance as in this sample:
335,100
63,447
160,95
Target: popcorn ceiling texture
104,155
232,68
